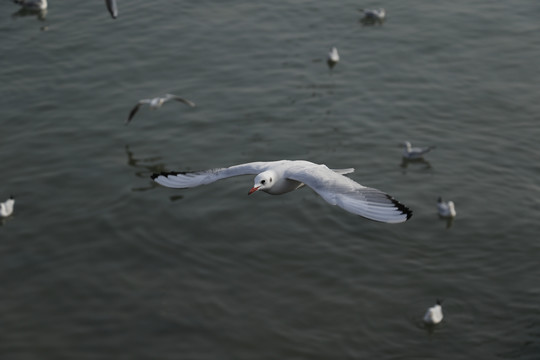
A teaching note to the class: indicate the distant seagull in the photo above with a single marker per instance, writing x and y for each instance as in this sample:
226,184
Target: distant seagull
412,153
6,208
156,103
32,4
333,57
434,314
280,177
113,9
374,14
446,208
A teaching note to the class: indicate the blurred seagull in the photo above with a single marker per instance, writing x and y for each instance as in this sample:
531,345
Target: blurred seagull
156,103
415,153
446,208
113,9
32,4
280,177
333,57
434,314
374,14
6,208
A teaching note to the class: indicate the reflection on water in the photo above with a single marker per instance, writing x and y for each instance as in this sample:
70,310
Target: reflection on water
4,220
405,163
370,21
40,14
145,168
448,220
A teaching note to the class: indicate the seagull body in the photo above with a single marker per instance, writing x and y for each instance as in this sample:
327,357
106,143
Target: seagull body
412,153
6,208
156,103
32,4
446,208
280,177
374,14
113,9
434,314
333,57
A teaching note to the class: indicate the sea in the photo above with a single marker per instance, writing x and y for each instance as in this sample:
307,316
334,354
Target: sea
97,261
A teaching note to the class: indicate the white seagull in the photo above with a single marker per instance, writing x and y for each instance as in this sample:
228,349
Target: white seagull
279,177
6,208
374,14
156,103
333,57
446,208
113,9
434,314
32,4
412,153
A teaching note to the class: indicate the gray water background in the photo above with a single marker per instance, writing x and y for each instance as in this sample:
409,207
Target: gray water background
97,262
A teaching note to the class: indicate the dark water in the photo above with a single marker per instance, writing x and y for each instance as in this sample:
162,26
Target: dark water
97,262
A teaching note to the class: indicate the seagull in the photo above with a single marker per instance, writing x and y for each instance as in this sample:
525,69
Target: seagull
113,9
6,208
446,208
434,314
280,177
156,103
333,57
415,153
374,14
32,4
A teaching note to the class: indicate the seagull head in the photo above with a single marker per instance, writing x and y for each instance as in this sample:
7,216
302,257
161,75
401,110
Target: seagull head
263,181
407,145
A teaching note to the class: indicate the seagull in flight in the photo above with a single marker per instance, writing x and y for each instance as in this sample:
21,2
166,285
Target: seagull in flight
434,314
6,208
32,4
280,177
112,7
156,103
412,153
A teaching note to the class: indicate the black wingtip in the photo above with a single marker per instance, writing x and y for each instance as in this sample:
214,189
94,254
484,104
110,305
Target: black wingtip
401,207
166,173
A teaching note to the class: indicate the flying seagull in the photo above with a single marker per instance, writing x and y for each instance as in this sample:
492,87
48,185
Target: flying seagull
280,177
112,7
32,4
156,103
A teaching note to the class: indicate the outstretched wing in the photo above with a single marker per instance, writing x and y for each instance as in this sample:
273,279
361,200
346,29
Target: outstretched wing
178,98
184,180
134,111
113,9
339,190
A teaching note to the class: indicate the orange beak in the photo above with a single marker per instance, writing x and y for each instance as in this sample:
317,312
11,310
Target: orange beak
253,189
